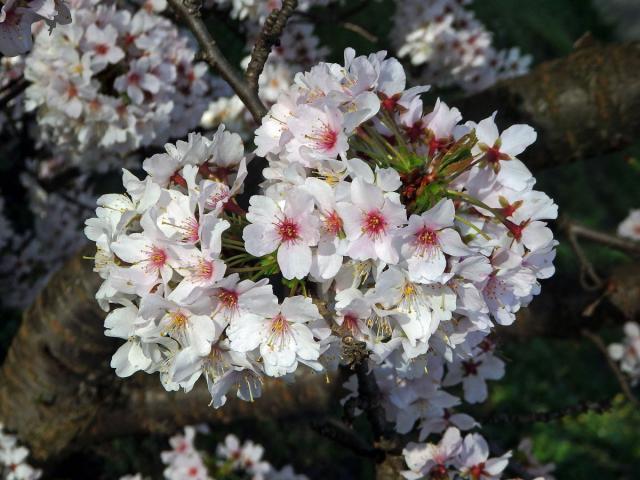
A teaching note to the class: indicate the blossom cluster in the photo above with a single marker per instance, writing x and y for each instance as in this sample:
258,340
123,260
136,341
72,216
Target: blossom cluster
420,231
13,465
469,457
466,457
418,396
113,81
627,353
17,17
232,459
452,45
163,250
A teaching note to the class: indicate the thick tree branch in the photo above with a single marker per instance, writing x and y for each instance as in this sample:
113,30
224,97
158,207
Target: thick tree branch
583,105
58,391
189,12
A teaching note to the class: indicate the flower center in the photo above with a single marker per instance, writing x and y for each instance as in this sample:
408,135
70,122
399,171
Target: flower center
470,367
350,323
134,78
279,329
191,228
374,224
325,138
204,270
439,472
426,239
101,49
178,322
228,298
333,223
157,258
288,230
476,471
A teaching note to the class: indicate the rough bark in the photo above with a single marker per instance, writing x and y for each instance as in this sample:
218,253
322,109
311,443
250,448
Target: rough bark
582,105
58,391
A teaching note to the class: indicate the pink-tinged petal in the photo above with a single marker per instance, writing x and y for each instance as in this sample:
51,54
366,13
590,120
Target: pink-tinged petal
495,466
150,83
135,94
362,248
487,131
326,262
294,260
131,249
259,239
245,332
306,347
491,368
514,174
536,235
394,213
441,215
452,244
186,362
386,250
516,139
262,209
366,196
351,219
463,421
15,31
427,268
414,328
475,389
300,309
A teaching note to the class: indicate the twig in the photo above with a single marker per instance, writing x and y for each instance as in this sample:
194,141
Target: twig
364,33
624,385
189,12
343,435
268,37
550,416
587,271
603,238
589,279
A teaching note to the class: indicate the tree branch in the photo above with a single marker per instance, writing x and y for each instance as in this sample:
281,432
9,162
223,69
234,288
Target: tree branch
58,391
583,105
268,37
189,12
597,236
622,381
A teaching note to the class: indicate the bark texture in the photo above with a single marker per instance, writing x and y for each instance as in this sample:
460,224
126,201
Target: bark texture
582,105
59,392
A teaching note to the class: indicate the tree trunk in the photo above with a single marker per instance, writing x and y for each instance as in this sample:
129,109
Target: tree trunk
59,393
